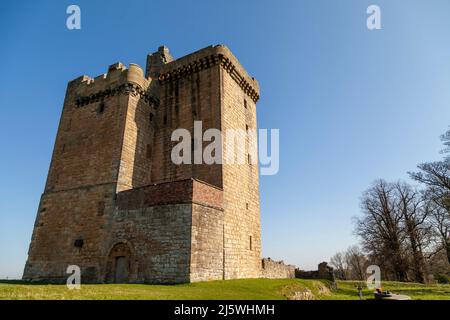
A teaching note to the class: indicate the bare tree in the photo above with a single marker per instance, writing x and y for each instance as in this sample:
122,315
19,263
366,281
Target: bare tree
438,210
445,138
380,228
410,203
339,265
357,263
436,174
436,177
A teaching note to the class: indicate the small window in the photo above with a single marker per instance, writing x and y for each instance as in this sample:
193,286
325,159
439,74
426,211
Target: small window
246,128
250,243
245,104
78,243
246,206
249,159
151,117
101,108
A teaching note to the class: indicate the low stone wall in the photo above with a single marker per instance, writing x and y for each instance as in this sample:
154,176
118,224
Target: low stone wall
323,272
276,269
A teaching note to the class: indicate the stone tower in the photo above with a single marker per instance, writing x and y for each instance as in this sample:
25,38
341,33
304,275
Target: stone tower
117,206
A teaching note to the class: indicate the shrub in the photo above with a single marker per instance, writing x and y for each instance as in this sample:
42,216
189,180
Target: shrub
442,278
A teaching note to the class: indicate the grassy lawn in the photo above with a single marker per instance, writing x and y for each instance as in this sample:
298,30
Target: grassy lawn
245,289
347,290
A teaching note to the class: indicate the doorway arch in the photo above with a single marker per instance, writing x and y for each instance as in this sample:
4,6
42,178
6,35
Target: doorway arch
119,263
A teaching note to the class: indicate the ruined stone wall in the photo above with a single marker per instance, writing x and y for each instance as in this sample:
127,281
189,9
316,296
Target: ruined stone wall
276,269
324,271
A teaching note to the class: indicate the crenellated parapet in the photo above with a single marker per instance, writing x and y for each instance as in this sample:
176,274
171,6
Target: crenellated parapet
126,89
205,59
118,80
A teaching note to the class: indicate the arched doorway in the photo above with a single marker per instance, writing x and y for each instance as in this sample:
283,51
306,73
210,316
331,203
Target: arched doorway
119,263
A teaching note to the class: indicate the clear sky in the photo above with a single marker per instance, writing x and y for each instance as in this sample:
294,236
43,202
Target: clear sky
352,105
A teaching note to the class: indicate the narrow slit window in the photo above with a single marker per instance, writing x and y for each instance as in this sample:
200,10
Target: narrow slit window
101,108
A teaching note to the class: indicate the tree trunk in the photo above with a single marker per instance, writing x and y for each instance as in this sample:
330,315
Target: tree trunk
420,273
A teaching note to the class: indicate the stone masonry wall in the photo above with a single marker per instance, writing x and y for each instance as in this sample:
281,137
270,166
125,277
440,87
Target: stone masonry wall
276,269
79,196
62,219
241,187
159,242
183,100
175,229
113,194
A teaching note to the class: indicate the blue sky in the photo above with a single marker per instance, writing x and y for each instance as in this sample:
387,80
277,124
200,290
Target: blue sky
352,105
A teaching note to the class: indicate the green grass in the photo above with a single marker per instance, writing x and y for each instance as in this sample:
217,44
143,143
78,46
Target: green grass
347,290
245,289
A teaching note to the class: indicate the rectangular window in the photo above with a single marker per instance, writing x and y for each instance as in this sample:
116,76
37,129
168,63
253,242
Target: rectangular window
245,104
250,243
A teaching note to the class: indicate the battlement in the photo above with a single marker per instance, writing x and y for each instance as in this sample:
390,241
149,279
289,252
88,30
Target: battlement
116,75
162,66
118,79
206,58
